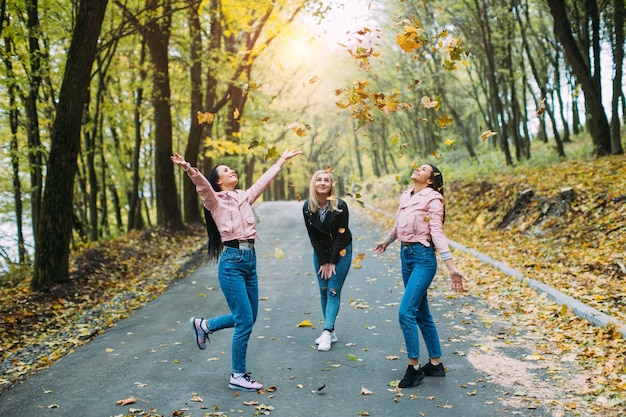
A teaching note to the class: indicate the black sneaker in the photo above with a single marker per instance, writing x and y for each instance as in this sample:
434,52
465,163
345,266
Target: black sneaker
412,378
433,370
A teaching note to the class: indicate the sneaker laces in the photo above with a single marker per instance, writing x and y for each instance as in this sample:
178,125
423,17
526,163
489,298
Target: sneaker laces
247,377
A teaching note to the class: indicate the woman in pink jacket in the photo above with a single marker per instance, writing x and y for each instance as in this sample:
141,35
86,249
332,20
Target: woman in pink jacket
232,231
419,228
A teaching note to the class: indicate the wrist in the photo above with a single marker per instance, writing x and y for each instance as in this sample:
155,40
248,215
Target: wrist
187,167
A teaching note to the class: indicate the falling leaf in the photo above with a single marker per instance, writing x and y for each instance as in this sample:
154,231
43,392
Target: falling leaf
343,252
271,153
236,114
542,107
205,117
300,131
444,121
448,142
313,79
487,134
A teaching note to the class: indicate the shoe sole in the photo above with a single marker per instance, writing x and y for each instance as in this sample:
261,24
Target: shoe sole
233,386
436,374
195,330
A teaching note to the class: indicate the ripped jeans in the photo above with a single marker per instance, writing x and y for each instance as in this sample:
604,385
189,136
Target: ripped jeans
330,290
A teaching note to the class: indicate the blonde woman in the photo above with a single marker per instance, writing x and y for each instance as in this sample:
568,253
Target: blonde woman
326,220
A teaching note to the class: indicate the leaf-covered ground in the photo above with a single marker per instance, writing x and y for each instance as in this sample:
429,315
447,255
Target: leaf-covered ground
108,281
564,225
568,231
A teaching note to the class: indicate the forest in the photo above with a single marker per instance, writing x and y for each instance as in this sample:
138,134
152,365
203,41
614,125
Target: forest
95,95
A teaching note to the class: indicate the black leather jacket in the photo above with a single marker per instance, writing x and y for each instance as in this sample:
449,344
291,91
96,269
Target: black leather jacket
328,238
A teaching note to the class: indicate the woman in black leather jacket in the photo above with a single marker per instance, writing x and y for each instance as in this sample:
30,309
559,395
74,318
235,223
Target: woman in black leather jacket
326,220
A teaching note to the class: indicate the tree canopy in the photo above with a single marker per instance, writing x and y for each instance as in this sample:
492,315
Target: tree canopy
364,88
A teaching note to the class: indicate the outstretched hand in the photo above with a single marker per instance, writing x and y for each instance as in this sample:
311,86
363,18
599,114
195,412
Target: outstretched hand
288,154
178,160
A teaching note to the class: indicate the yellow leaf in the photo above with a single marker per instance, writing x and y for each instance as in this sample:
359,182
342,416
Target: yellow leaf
205,117
487,134
278,253
305,323
444,121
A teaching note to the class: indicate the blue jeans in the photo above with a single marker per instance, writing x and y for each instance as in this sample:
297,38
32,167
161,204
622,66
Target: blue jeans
239,282
330,289
419,265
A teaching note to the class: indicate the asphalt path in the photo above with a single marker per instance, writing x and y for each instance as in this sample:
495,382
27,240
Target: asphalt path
151,356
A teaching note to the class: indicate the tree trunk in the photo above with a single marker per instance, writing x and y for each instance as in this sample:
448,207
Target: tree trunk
35,157
55,228
157,35
599,129
618,58
15,160
191,208
135,220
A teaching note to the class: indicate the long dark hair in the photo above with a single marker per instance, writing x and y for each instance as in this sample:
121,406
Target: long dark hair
437,184
215,240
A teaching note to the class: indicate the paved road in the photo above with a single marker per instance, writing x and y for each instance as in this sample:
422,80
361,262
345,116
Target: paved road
151,355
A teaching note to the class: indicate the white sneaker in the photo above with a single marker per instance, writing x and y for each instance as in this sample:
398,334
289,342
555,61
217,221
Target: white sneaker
244,382
324,341
333,338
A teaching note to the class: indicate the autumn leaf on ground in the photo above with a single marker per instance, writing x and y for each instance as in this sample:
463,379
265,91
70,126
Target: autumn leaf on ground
365,391
278,253
126,401
305,323
313,79
196,398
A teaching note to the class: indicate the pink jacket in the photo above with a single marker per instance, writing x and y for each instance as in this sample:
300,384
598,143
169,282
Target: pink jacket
232,210
420,219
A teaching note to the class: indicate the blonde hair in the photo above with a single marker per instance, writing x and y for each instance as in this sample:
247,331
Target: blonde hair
333,201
